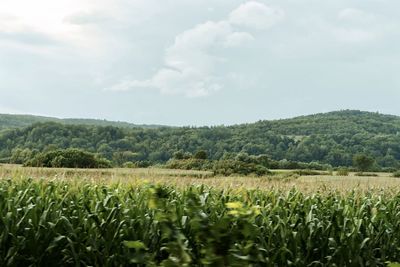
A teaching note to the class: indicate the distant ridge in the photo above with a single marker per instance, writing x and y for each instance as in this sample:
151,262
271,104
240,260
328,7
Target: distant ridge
341,113
335,122
20,121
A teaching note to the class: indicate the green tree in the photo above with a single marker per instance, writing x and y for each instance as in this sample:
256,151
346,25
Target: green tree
201,154
178,155
363,162
68,158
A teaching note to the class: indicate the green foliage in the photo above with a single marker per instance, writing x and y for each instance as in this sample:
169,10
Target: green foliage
64,224
342,172
396,174
201,154
363,162
130,165
241,165
322,140
189,164
69,158
309,172
19,156
178,155
366,174
236,167
19,121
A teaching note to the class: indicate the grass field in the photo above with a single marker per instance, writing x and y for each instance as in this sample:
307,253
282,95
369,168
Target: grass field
281,180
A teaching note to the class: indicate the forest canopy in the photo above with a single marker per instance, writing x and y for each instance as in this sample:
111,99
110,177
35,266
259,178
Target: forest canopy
331,138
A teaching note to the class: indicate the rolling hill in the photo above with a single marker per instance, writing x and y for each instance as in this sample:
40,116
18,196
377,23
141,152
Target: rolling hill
329,138
19,121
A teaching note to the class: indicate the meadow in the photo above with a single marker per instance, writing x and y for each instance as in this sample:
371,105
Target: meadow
282,180
158,217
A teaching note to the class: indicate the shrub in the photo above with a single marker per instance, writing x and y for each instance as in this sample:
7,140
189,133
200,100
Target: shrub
309,172
363,162
130,165
396,174
342,172
201,154
143,163
189,164
232,167
367,174
68,158
178,155
225,167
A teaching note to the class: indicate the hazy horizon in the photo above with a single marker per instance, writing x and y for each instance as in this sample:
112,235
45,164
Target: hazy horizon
198,63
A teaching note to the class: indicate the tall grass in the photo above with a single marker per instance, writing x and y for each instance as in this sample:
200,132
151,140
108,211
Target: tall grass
61,223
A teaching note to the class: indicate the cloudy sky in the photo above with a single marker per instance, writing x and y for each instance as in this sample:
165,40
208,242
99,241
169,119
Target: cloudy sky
198,62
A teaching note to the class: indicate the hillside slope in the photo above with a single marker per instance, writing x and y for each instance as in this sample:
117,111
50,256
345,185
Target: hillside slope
8,121
337,122
332,138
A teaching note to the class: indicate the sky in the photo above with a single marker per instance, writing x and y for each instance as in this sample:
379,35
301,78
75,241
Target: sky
198,62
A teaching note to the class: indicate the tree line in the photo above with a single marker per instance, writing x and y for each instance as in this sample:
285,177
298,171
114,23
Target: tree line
332,138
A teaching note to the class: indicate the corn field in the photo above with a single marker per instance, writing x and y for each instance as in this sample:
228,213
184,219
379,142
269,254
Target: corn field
61,223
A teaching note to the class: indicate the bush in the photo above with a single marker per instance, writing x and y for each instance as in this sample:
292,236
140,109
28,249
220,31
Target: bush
142,164
137,164
232,167
225,167
129,165
396,174
309,172
363,162
294,165
366,174
201,154
342,172
189,164
69,158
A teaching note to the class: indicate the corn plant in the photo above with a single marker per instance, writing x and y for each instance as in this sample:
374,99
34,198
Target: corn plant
60,223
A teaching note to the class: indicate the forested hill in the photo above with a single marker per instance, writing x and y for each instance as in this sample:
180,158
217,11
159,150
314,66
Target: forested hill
19,121
332,138
337,122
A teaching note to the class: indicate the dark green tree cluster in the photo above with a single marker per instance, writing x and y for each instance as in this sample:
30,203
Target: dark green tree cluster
363,162
229,167
332,138
239,164
69,158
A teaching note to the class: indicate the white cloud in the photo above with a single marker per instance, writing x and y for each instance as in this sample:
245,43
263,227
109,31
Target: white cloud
189,82
357,26
70,49
34,23
238,38
9,23
355,16
189,65
256,15
191,62
44,16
